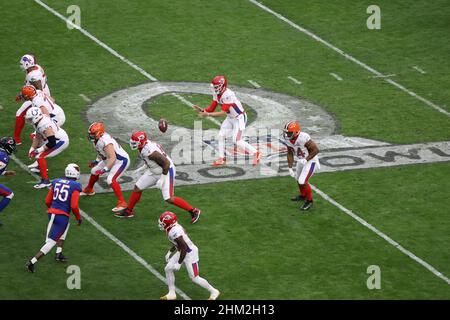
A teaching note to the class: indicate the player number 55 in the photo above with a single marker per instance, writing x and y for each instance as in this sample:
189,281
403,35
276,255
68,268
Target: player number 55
61,192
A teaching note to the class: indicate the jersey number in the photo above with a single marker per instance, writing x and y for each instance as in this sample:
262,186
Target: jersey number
300,153
61,192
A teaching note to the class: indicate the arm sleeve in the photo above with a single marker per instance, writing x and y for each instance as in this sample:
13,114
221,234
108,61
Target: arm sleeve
212,106
74,204
226,107
49,197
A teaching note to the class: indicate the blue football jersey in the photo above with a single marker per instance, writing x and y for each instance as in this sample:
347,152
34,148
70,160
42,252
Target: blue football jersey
62,194
4,160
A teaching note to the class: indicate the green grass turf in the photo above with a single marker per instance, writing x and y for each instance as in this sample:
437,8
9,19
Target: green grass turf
259,246
181,115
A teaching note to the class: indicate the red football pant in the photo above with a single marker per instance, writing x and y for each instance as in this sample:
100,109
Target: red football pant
134,198
43,168
20,123
306,191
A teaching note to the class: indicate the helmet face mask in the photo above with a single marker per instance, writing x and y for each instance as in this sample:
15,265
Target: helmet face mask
72,171
291,130
138,140
8,145
219,84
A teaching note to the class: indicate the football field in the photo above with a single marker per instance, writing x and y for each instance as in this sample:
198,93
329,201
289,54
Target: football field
376,101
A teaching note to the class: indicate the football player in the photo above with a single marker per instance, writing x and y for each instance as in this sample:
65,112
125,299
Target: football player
183,251
233,124
160,172
7,148
34,76
111,159
62,198
49,141
304,149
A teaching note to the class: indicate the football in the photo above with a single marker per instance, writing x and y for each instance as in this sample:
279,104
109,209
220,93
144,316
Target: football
162,125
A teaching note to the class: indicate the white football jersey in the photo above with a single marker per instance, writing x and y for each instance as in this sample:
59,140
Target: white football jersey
228,97
41,99
300,151
105,140
38,74
178,231
147,150
47,123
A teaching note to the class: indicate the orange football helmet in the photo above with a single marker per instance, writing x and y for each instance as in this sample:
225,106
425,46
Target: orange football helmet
96,130
28,92
291,130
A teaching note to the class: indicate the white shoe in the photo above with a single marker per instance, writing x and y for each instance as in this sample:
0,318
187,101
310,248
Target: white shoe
214,295
120,206
169,296
43,184
33,165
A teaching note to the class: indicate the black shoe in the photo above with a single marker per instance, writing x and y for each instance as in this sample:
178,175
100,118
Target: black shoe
124,213
30,267
298,198
307,205
60,257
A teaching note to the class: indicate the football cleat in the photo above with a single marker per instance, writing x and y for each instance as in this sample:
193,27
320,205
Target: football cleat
30,267
33,165
60,257
195,214
307,205
126,213
256,158
219,162
214,295
298,198
87,192
44,183
169,296
121,205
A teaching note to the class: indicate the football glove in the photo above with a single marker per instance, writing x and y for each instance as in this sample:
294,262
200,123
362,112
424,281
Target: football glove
33,153
18,98
292,172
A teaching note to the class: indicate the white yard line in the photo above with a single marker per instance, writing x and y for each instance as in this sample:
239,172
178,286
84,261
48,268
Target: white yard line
334,75
419,69
294,80
385,75
85,98
382,235
254,83
349,57
110,236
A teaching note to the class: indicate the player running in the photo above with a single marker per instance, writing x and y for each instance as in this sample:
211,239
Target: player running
186,253
233,124
49,141
301,145
34,76
160,172
62,198
111,159
7,148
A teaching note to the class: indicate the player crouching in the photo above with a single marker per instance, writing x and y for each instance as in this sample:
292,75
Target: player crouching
62,198
111,159
186,253
160,172
301,145
49,141
7,148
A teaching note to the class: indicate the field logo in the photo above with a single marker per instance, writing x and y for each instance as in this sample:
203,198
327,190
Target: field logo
74,280
193,150
374,20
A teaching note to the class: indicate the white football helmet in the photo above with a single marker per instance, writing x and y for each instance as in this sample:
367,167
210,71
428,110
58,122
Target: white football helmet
72,171
33,115
27,61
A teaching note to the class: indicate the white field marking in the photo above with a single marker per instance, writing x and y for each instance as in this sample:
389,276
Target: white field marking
85,98
382,235
294,80
385,75
349,57
110,236
254,83
335,76
1,107
190,104
100,43
419,69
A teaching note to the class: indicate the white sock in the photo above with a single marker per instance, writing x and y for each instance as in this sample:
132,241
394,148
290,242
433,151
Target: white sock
170,277
246,146
34,260
203,283
221,147
58,250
